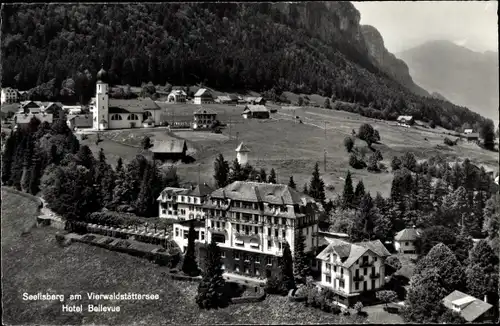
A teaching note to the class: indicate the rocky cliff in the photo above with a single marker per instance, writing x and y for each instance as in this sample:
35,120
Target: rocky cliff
394,67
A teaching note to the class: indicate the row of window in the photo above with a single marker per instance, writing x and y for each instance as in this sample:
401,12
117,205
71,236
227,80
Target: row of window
132,117
356,284
185,233
256,259
341,282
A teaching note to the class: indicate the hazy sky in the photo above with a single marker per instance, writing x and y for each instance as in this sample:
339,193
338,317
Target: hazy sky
404,25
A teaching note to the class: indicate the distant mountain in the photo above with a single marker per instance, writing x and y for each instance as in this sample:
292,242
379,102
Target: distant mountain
394,67
463,76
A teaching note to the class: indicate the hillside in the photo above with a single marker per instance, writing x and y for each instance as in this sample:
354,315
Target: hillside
461,75
313,47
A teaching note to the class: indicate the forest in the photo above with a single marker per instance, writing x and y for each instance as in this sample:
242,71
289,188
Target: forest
56,50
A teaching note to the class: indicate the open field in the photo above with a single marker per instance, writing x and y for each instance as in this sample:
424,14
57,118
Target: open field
293,149
36,263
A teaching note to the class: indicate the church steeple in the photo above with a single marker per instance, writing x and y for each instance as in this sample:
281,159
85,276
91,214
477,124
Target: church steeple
102,75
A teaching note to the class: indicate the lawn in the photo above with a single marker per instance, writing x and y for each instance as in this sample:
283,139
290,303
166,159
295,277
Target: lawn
292,148
36,263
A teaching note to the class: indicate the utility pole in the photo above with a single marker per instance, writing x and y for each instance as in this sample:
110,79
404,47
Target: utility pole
199,175
324,159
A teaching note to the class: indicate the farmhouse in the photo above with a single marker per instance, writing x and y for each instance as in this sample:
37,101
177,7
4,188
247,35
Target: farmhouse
169,150
352,269
182,203
470,308
120,113
255,112
203,96
251,221
203,118
181,232
471,137
9,95
404,240
255,100
79,121
177,96
405,120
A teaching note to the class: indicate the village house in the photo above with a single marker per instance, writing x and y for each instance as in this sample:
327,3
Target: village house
203,118
177,96
169,150
25,118
405,120
203,96
404,241
353,271
255,100
181,232
471,309
256,112
9,95
120,113
182,203
251,221
227,99
468,131
471,137
79,121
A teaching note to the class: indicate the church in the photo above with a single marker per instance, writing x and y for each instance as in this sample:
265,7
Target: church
119,113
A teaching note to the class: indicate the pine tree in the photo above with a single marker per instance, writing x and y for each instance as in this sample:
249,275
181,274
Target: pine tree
35,174
190,267
145,195
8,157
146,142
348,194
236,173
291,183
305,190
423,195
286,265
358,193
221,168
300,260
317,186
119,165
211,290
272,177
262,175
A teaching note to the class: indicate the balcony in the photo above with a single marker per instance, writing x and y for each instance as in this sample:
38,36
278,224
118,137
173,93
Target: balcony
375,275
366,263
358,278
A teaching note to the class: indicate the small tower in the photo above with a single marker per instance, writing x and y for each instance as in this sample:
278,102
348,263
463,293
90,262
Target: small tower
101,111
242,154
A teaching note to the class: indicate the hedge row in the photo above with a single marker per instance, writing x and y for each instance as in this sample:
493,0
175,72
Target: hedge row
113,219
159,258
249,299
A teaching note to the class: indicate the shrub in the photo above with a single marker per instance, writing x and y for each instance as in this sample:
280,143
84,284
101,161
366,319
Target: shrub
356,162
274,285
349,143
432,124
358,307
448,141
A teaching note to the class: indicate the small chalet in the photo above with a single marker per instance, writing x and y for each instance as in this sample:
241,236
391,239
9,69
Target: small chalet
203,96
169,150
471,309
405,120
203,118
79,121
256,112
255,100
471,137
177,96
404,241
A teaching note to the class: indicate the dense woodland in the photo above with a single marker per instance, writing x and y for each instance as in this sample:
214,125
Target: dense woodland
63,46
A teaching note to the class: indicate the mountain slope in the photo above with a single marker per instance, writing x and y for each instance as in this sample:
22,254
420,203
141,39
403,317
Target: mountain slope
461,75
308,47
393,66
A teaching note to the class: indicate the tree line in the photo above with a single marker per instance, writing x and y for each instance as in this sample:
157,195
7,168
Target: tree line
62,47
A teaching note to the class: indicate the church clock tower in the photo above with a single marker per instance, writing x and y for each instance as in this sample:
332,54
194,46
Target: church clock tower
101,112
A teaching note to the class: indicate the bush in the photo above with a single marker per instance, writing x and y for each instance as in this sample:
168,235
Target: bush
349,144
432,124
448,141
274,285
358,307
356,162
